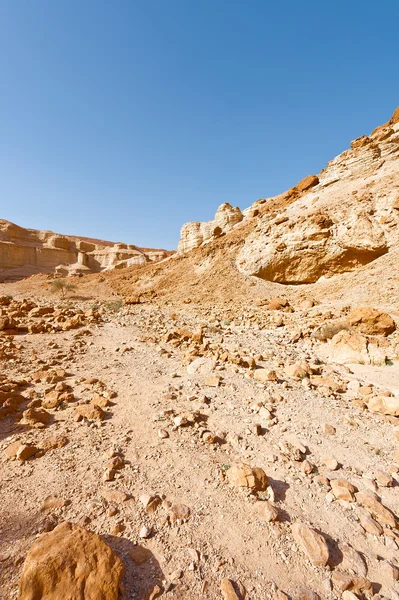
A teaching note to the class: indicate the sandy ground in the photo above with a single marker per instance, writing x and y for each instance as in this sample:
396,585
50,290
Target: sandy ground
224,535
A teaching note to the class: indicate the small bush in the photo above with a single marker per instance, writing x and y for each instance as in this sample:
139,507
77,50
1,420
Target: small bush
61,286
114,305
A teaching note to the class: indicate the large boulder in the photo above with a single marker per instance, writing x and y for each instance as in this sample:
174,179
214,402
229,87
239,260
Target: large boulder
385,405
303,248
70,563
348,347
371,321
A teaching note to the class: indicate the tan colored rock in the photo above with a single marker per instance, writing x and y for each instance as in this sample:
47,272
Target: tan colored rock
305,594
11,451
370,525
317,246
307,183
242,475
91,412
36,417
298,370
116,496
265,375
385,405
383,479
25,452
140,555
73,564
370,321
347,347
267,512
330,462
179,512
342,489
329,429
352,561
195,234
54,442
370,501
231,590
51,502
52,400
311,543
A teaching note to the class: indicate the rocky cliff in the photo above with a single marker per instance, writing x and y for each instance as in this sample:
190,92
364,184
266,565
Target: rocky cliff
335,222
24,252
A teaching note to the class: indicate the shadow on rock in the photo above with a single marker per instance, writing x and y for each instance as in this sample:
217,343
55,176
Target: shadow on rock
143,575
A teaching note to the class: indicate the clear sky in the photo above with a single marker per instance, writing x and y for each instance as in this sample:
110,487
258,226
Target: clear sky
123,119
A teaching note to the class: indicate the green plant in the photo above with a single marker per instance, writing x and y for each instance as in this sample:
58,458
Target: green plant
114,305
61,286
389,362
10,297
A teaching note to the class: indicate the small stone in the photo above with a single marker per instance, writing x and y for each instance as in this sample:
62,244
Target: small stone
145,532
267,511
370,501
53,502
212,381
115,496
256,429
342,489
231,590
331,463
26,452
140,555
242,475
383,479
312,544
163,434
91,412
370,525
150,502
307,467
329,429
178,512
265,375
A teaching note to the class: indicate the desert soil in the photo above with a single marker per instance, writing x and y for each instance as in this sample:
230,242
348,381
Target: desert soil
157,423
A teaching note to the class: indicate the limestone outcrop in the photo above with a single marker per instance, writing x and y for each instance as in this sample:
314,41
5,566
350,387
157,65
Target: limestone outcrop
195,234
24,252
344,222
336,222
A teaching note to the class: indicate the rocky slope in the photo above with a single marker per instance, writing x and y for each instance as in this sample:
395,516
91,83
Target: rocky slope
332,223
24,252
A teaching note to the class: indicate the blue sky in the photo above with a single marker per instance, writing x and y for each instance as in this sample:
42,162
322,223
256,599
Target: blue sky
124,119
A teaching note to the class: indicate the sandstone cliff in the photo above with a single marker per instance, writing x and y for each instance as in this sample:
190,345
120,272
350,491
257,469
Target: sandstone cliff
24,252
332,223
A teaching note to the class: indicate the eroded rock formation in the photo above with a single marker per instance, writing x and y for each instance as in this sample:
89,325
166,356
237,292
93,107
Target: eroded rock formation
195,234
328,224
24,252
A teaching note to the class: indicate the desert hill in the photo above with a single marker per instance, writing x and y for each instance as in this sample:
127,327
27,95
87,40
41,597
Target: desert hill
343,220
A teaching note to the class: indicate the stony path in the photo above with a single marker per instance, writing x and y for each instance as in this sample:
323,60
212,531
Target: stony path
205,529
